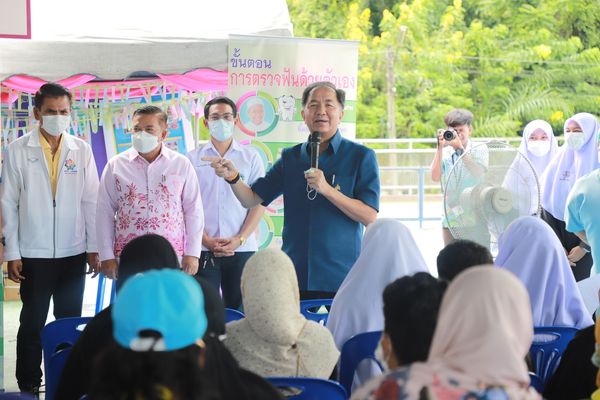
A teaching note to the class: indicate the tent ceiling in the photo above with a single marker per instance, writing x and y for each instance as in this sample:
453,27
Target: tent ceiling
118,37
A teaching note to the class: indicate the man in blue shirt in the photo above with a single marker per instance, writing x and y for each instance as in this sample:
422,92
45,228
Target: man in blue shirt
325,208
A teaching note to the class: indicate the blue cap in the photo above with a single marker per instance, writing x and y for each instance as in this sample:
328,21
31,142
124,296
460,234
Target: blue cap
166,301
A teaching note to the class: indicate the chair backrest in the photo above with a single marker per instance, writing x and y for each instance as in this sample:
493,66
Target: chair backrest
57,336
310,309
17,396
549,343
61,333
357,348
536,383
53,370
233,315
308,388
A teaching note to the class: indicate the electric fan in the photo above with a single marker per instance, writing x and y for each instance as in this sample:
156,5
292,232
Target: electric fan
488,187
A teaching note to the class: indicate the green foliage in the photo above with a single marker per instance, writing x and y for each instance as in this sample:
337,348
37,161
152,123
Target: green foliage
508,61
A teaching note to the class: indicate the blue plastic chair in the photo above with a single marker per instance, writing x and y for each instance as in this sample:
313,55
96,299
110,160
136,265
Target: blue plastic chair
53,369
549,343
58,336
17,396
536,383
100,292
309,309
233,315
308,388
357,348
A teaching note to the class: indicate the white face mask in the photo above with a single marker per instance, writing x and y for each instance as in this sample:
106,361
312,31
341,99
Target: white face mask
539,148
221,129
379,356
144,142
575,140
56,124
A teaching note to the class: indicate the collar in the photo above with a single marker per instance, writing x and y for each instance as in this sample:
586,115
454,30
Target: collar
34,139
334,143
235,146
132,154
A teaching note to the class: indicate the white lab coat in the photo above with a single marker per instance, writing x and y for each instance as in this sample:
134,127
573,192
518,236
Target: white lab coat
36,225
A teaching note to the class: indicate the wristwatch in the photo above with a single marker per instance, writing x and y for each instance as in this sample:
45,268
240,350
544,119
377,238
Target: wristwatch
586,247
242,240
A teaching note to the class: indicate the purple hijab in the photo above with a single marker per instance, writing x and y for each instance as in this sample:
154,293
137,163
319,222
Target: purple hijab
530,249
570,165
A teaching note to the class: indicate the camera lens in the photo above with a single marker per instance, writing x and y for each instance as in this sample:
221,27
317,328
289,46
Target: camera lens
448,135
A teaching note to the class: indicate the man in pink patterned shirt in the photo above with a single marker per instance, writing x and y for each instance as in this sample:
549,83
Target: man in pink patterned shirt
149,189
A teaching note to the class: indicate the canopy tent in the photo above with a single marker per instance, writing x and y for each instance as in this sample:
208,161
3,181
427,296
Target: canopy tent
113,39
180,47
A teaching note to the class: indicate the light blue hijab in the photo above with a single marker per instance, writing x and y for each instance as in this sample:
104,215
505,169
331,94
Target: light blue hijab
530,249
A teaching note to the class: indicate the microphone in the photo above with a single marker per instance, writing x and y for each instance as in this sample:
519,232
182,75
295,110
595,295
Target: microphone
314,140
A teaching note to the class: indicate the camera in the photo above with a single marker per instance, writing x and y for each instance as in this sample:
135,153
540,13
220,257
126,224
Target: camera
449,134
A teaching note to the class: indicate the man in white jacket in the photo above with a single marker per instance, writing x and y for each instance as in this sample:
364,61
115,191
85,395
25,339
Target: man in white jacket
49,191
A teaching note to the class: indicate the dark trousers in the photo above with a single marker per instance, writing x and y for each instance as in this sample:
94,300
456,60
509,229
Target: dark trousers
225,273
63,279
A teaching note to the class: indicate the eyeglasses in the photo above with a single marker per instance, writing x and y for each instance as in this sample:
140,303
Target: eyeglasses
216,117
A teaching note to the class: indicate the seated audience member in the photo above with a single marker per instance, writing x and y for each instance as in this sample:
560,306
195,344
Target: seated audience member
275,339
142,254
530,249
388,252
410,309
158,325
575,377
460,255
483,333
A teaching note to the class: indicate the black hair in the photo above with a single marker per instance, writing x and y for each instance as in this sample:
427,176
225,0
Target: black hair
339,93
145,253
152,110
220,100
460,255
121,373
410,308
50,89
457,117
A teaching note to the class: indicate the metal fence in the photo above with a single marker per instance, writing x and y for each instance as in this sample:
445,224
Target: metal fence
405,172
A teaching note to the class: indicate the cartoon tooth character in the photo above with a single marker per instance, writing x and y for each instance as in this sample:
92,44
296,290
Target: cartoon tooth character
287,107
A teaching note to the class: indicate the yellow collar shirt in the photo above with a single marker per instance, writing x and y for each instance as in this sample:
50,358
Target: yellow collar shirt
52,160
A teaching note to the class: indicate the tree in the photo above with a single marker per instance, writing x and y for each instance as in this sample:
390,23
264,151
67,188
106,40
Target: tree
508,61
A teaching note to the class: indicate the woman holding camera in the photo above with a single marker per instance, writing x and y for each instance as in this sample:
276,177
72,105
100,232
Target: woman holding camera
452,143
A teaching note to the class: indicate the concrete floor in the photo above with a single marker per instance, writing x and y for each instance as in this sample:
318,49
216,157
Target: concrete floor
428,238
12,310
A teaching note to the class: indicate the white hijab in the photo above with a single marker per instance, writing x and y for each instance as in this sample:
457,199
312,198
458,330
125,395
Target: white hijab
570,165
539,163
388,252
275,339
530,249
520,178
483,334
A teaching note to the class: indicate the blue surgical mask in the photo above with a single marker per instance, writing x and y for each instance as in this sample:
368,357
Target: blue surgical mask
220,129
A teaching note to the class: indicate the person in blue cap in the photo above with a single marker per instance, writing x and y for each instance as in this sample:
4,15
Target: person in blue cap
159,352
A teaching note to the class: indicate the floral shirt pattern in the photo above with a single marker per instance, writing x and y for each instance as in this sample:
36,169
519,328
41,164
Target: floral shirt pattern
137,197
390,387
